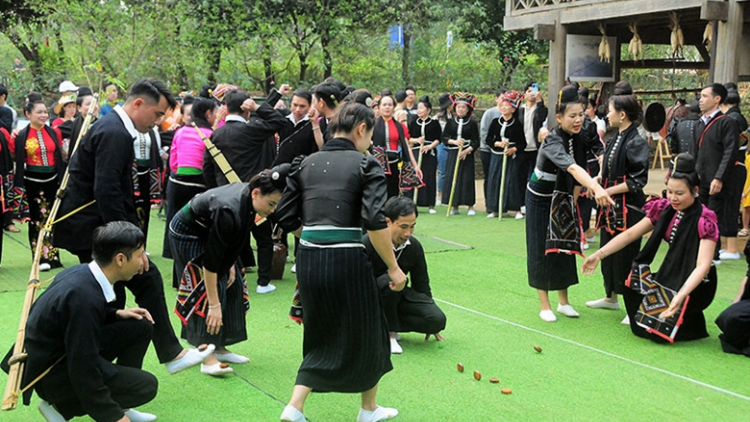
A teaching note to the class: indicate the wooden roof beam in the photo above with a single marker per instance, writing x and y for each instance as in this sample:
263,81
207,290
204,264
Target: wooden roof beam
593,12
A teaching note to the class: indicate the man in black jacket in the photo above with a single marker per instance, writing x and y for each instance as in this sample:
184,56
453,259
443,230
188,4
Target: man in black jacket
715,149
411,309
71,330
248,144
100,190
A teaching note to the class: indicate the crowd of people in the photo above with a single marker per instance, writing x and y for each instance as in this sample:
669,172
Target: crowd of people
336,163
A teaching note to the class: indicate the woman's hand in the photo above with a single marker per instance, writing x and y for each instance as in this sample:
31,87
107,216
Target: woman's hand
589,265
214,319
464,153
454,142
419,171
398,279
602,197
673,307
511,151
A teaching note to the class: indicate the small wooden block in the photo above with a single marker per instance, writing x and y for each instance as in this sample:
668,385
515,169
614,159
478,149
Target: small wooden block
506,391
477,375
223,365
460,367
495,380
538,349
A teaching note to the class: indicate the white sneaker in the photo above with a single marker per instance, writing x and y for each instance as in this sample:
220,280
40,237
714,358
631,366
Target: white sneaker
49,412
136,416
591,239
567,310
379,414
625,321
519,216
729,256
471,212
585,246
432,211
523,209
294,269
603,304
455,211
44,267
261,290
395,347
721,251
191,358
716,262
492,215
291,414
548,315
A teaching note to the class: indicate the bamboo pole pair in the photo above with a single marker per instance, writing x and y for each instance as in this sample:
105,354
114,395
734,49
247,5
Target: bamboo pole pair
18,359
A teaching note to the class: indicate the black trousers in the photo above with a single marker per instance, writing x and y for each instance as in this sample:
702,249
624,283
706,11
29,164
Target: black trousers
148,290
411,311
125,341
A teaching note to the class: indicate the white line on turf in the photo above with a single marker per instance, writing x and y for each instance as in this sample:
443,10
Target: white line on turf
593,349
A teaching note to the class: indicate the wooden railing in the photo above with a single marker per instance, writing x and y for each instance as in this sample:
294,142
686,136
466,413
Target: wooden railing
524,6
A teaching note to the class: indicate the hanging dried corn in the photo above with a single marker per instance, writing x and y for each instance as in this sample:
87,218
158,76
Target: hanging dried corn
708,34
604,55
635,48
677,40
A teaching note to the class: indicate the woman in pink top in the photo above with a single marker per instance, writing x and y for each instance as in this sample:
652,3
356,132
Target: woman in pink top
186,161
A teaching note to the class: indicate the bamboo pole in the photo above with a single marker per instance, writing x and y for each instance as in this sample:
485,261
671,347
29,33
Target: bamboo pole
17,361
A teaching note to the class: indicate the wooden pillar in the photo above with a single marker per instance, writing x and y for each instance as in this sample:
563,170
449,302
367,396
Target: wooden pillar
556,69
727,57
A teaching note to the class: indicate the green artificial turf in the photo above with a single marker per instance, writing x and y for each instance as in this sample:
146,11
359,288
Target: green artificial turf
590,369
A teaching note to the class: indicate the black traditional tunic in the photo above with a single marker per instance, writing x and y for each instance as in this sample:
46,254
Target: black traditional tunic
210,232
515,182
332,194
465,189
625,161
431,131
683,231
553,271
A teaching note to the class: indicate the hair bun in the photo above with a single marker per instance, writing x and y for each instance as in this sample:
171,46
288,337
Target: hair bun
568,94
684,163
623,88
279,174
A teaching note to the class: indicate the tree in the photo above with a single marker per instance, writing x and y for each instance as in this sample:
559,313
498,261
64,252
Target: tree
481,22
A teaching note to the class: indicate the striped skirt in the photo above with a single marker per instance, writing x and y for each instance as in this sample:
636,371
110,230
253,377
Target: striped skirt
188,245
553,271
346,347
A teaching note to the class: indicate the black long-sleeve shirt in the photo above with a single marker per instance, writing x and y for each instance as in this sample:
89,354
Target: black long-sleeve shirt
248,147
410,259
67,319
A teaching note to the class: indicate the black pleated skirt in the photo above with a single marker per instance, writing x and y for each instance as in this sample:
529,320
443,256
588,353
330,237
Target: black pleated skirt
188,245
512,196
346,347
554,271
465,189
616,267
